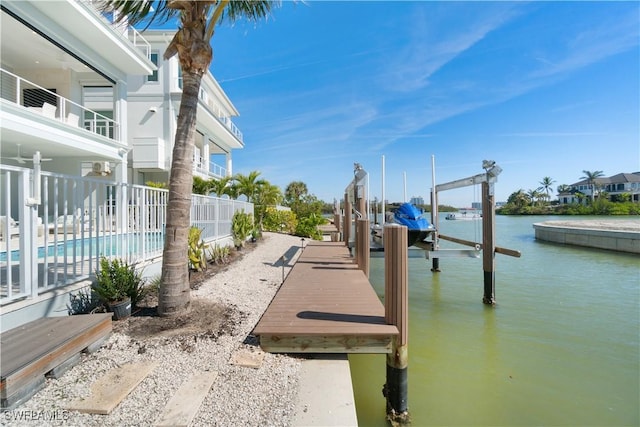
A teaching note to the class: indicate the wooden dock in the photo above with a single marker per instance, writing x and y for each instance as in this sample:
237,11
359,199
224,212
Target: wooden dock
48,345
325,305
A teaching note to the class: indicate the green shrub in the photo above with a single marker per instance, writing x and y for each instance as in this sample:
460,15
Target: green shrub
308,227
241,227
196,250
220,254
116,280
279,221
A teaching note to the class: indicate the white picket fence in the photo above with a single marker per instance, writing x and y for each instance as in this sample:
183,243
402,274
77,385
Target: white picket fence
58,240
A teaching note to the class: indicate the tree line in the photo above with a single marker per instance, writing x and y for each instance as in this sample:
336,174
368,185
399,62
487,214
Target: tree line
538,201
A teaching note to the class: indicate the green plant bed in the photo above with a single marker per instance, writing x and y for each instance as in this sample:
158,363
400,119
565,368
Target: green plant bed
118,282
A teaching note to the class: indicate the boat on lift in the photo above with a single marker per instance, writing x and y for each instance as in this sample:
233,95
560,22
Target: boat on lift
410,216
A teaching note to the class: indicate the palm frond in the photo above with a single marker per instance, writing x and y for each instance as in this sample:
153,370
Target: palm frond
140,11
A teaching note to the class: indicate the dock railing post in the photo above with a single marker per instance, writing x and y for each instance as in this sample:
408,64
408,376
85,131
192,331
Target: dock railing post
488,243
347,220
396,305
435,262
363,246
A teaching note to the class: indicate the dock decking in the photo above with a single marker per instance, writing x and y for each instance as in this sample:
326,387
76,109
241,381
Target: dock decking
30,351
325,305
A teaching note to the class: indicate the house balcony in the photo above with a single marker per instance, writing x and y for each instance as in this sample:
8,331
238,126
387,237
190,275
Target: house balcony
207,170
126,30
41,119
213,117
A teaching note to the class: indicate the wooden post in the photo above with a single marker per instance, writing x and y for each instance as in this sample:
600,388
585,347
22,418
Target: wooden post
347,220
337,221
396,304
488,243
363,245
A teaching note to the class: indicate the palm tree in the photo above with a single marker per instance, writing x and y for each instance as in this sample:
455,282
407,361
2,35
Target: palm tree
192,44
249,184
201,186
294,192
591,180
266,195
546,185
220,186
519,198
534,195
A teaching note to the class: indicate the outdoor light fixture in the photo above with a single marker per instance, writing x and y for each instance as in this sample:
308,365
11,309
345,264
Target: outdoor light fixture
359,171
491,167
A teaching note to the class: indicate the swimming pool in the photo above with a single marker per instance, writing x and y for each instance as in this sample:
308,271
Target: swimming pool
108,245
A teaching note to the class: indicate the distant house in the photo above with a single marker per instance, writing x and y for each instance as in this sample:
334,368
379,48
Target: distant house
613,186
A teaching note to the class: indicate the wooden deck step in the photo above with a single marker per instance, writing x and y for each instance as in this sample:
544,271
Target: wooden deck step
30,351
326,305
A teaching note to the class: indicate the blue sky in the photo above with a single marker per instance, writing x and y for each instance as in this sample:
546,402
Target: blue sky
542,88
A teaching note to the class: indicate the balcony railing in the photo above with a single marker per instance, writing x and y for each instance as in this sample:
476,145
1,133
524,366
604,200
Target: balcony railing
214,170
128,31
217,111
46,102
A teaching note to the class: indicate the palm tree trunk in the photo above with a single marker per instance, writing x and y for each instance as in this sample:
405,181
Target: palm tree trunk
175,294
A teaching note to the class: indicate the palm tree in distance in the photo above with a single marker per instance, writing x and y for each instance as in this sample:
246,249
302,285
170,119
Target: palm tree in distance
220,186
591,180
546,185
192,44
249,184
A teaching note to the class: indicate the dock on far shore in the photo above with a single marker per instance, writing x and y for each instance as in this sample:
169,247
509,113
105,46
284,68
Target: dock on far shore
616,235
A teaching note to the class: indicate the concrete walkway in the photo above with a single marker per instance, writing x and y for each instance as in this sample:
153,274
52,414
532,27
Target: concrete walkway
325,393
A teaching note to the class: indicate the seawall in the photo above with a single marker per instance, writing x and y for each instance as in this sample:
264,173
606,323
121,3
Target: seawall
615,235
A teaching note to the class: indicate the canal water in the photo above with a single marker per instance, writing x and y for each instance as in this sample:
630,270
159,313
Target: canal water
561,347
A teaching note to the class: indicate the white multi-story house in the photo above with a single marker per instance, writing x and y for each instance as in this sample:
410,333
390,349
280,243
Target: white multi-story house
153,105
613,186
87,112
64,71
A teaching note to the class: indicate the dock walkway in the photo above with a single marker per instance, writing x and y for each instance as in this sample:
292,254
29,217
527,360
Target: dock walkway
325,305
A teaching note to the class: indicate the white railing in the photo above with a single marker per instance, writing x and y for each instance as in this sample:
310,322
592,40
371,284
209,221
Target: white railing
46,103
128,31
216,111
214,170
59,242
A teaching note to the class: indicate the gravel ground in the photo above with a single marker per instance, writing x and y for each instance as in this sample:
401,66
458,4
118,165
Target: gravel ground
239,396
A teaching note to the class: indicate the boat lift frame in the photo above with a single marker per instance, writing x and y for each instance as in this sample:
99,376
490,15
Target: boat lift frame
488,247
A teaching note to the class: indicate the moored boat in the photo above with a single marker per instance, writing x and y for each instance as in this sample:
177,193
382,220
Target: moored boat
418,227
464,215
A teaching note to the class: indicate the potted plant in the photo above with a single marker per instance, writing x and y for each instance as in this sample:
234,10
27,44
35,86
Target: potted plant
118,285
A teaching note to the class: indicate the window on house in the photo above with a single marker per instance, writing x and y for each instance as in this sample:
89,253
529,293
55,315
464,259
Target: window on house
153,77
99,123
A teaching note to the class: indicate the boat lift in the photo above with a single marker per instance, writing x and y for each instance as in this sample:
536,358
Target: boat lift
487,247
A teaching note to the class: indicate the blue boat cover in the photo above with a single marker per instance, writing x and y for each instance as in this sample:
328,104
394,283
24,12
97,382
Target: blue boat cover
411,217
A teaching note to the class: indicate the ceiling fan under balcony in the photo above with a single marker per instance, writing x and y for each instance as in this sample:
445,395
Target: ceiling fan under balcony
22,160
